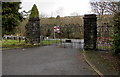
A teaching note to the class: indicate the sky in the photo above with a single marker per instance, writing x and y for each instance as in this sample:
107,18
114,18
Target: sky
58,7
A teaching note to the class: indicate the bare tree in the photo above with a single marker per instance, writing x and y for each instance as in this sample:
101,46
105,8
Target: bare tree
104,7
21,28
99,7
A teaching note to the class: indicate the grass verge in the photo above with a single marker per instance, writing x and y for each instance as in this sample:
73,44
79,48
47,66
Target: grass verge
10,44
105,62
49,42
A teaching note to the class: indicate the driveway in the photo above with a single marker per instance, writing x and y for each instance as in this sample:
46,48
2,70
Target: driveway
75,43
46,60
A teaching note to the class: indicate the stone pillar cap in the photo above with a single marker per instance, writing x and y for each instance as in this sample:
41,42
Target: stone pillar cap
34,19
90,16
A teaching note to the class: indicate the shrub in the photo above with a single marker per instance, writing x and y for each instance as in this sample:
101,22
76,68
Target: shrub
116,35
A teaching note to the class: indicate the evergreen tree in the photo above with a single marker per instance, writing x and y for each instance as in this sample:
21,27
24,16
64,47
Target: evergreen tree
10,17
33,27
34,12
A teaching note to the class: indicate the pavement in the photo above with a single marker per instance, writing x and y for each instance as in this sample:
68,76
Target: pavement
45,60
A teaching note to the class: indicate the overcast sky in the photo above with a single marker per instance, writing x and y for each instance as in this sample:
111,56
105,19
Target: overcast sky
58,7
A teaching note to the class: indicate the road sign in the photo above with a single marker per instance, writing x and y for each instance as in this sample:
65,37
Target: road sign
56,29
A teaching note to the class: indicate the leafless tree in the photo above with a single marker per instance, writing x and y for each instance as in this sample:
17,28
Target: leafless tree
99,7
21,28
103,7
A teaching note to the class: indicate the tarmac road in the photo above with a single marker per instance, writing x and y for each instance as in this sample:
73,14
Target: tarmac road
46,60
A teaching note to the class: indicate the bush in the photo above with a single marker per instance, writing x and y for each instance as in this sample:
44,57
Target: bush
116,36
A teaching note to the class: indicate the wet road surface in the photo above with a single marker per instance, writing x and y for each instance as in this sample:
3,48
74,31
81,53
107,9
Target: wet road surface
46,60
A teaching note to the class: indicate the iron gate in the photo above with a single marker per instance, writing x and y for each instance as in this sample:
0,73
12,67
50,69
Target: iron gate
76,33
73,32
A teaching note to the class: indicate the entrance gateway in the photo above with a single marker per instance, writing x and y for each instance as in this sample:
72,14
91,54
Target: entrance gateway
88,35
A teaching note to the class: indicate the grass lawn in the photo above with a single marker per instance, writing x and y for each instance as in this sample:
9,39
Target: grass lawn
12,42
48,42
105,62
19,44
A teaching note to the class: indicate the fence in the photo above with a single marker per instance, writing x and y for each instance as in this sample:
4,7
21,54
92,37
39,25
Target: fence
104,36
76,31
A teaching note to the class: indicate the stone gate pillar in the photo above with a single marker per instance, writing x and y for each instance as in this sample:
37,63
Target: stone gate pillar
33,31
90,31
